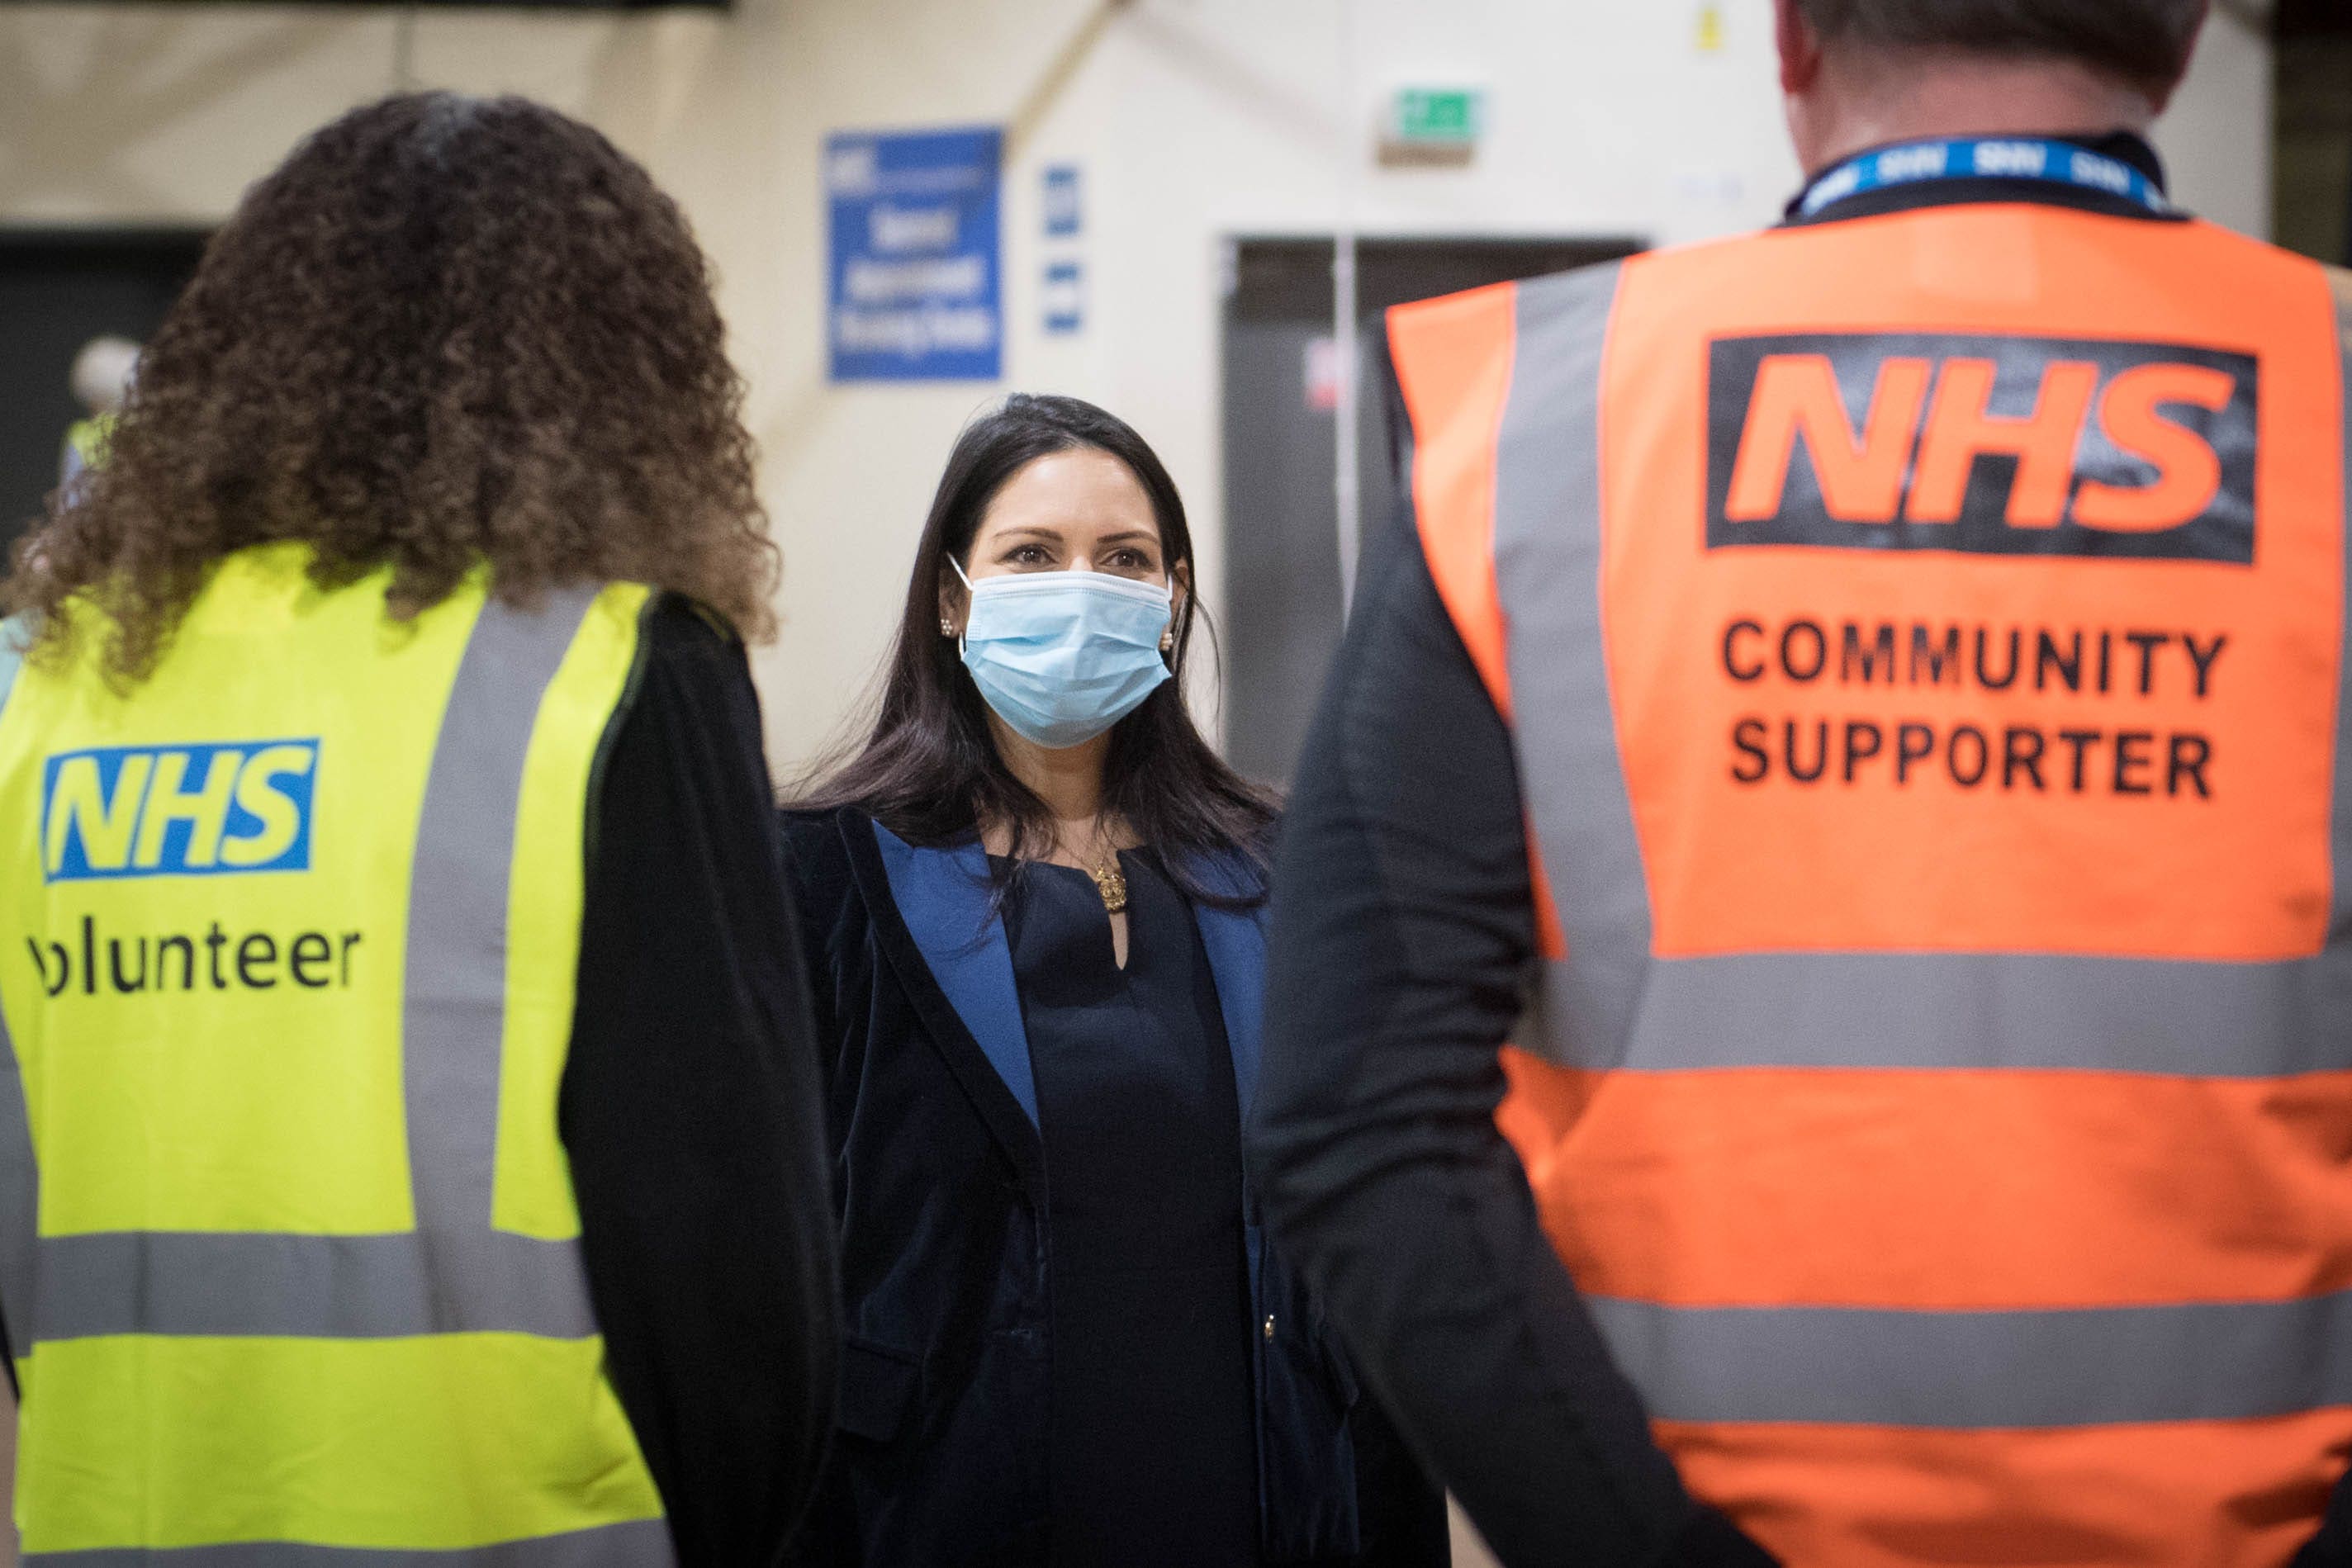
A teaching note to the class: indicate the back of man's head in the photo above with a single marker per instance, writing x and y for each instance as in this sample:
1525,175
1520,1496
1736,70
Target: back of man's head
1864,73
2144,43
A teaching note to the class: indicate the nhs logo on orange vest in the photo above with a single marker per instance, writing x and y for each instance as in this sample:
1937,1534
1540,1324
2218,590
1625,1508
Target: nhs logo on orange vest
1997,446
178,810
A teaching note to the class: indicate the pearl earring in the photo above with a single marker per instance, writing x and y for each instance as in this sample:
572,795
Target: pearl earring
1168,641
947,627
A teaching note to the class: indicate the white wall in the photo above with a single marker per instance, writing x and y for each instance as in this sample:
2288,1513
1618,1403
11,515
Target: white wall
1193,119
2217,140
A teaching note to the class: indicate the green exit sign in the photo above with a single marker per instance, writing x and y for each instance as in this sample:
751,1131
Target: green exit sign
1449,116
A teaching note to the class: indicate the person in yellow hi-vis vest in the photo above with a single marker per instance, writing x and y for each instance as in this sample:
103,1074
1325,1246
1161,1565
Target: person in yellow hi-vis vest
410,1140
102,373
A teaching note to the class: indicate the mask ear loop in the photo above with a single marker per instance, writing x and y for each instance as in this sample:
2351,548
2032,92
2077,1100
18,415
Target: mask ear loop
963,636
1168,638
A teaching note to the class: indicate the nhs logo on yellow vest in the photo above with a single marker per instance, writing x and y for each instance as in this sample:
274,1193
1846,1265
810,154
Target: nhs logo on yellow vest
177,810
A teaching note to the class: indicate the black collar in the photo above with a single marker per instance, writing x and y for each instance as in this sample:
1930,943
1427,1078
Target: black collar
2125,146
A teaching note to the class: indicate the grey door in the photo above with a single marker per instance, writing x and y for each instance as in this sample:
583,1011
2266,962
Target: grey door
1282,554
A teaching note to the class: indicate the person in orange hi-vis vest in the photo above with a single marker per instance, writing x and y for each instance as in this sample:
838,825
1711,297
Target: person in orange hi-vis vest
1862,709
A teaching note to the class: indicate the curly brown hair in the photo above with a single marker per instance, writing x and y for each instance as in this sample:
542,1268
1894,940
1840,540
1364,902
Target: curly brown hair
446,332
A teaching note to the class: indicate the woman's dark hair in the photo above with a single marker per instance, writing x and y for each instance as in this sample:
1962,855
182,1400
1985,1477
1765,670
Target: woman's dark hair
930,770
448,332
2144,42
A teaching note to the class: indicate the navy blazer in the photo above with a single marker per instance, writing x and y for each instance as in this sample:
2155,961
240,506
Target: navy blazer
940,1180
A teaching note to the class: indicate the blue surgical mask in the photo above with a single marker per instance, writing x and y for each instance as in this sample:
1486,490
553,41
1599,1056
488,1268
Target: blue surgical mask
1064,655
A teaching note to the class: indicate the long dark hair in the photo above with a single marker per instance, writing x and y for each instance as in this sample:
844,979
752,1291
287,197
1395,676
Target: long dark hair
446,332
929,771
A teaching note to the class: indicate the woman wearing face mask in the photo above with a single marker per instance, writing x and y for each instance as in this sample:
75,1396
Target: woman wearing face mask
1032,900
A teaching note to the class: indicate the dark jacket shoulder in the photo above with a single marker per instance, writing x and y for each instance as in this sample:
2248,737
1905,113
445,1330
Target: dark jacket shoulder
816,856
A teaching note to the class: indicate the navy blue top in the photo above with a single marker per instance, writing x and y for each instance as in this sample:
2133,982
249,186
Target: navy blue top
1152,1449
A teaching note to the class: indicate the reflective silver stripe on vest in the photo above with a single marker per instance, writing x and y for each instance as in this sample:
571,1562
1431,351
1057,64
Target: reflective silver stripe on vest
455,1010
20,1173
453,1273
1991,1011
304,1287
20,1203
636,1545
1548,568
2107,1365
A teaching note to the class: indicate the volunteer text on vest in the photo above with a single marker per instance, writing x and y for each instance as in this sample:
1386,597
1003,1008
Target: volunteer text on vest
210,810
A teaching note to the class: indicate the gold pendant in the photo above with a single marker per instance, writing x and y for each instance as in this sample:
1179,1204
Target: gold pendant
1111,883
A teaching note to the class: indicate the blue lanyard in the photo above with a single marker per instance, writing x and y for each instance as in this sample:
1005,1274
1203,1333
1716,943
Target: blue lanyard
2010,158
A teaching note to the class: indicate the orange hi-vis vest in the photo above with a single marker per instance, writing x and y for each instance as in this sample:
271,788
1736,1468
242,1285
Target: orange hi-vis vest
1923,637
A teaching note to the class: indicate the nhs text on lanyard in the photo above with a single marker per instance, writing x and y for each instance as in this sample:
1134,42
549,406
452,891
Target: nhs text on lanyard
2055,163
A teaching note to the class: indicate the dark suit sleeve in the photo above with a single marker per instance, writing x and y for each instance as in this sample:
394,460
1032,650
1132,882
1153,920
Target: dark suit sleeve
2333,1546
1402,932
691,1110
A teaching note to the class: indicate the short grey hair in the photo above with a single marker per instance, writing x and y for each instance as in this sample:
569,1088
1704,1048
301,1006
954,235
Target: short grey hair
2146,42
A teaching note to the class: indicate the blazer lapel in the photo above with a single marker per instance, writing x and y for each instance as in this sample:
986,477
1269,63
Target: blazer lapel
1235,940
957,968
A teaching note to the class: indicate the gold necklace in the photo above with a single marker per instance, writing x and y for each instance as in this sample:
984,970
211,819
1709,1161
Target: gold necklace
1111,883
1109,880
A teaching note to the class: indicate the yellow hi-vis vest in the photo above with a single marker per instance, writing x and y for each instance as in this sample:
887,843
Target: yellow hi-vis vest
88,439
289,1259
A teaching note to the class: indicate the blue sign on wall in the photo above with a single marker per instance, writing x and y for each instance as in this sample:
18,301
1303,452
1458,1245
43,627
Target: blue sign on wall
1066,213
1066,298
915,286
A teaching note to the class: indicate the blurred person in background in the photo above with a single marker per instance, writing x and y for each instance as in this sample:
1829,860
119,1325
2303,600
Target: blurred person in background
410,1143
1034,903
102,377
1864,708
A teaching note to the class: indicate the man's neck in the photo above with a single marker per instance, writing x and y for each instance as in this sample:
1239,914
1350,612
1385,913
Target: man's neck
1871,98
